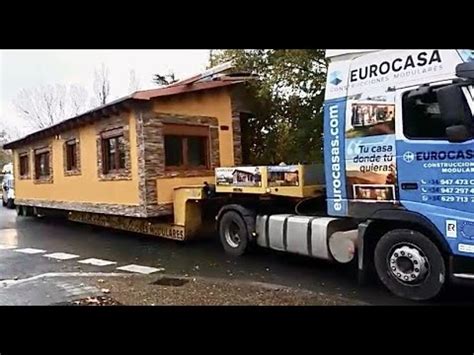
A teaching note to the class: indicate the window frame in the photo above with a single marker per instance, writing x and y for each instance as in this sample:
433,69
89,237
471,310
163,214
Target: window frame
402,94
71,166
22,157
105,137
37,157
184,132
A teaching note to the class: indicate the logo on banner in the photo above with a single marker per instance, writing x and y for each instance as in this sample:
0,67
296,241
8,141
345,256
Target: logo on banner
408,157
451,228
335,78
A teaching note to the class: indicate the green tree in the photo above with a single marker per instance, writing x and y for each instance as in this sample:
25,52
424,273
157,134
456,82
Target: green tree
288,102
5,155
164,80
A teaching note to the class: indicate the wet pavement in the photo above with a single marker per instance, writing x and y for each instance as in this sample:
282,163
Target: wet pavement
45,291
200,258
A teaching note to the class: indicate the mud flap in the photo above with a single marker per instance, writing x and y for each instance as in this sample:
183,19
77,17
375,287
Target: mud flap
363,267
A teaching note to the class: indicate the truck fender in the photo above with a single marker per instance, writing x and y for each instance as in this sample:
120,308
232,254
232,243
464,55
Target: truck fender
365,228
247,214
416,219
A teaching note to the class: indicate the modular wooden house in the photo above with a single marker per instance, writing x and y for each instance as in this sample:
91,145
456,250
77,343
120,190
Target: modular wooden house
126,157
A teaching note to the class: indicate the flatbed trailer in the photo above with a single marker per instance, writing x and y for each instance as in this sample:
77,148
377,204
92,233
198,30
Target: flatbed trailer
195,207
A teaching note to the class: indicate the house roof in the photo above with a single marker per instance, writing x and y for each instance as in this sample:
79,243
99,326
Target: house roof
242,171
182,89
114,106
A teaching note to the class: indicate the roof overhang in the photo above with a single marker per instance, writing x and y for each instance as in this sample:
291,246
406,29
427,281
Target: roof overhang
104,111
115,107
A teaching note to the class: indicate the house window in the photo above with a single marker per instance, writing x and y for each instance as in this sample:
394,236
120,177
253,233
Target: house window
113,151
186,147
42,164
24,166
71,155
173,151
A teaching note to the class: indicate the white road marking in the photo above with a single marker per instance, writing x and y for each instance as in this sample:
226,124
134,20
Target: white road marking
9,234
6,247
97,262
61,256
76,290
7,283
140,269
30,251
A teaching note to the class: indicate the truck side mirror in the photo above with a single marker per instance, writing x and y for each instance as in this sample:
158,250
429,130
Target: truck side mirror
455,112
465,70
422,91
458,134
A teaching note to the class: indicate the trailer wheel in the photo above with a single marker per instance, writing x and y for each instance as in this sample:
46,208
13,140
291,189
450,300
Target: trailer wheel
28,211
410,265
24,211
233,233
10,203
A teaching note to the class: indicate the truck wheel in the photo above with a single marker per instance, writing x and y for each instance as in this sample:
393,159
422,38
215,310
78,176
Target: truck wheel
3,202
233,233
10,203
410,265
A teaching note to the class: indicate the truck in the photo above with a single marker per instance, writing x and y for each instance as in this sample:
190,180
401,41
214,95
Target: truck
8,191
395,194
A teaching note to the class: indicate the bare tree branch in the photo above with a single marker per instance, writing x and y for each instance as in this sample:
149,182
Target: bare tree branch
78,96
5,137
44,106
102,84
133,82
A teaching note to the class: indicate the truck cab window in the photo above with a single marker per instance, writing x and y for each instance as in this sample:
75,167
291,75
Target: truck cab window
422,117
469,95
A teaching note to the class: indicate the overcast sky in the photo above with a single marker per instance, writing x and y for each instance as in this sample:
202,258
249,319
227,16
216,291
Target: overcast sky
31,68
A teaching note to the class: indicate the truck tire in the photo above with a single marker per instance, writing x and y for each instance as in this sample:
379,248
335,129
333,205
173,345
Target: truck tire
233,233
410,265
10,203
3,202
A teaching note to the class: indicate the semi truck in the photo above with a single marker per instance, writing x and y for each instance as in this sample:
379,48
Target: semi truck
8,191
395,194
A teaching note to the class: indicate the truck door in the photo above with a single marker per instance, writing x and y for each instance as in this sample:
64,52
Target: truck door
435,176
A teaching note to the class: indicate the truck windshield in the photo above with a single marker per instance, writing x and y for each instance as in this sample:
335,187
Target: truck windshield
467,55
469,94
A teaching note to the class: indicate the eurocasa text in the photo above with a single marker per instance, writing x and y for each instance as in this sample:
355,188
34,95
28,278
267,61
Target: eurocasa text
336,169
396,69
396,65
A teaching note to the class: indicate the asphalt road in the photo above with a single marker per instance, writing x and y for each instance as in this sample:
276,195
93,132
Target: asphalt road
200,258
